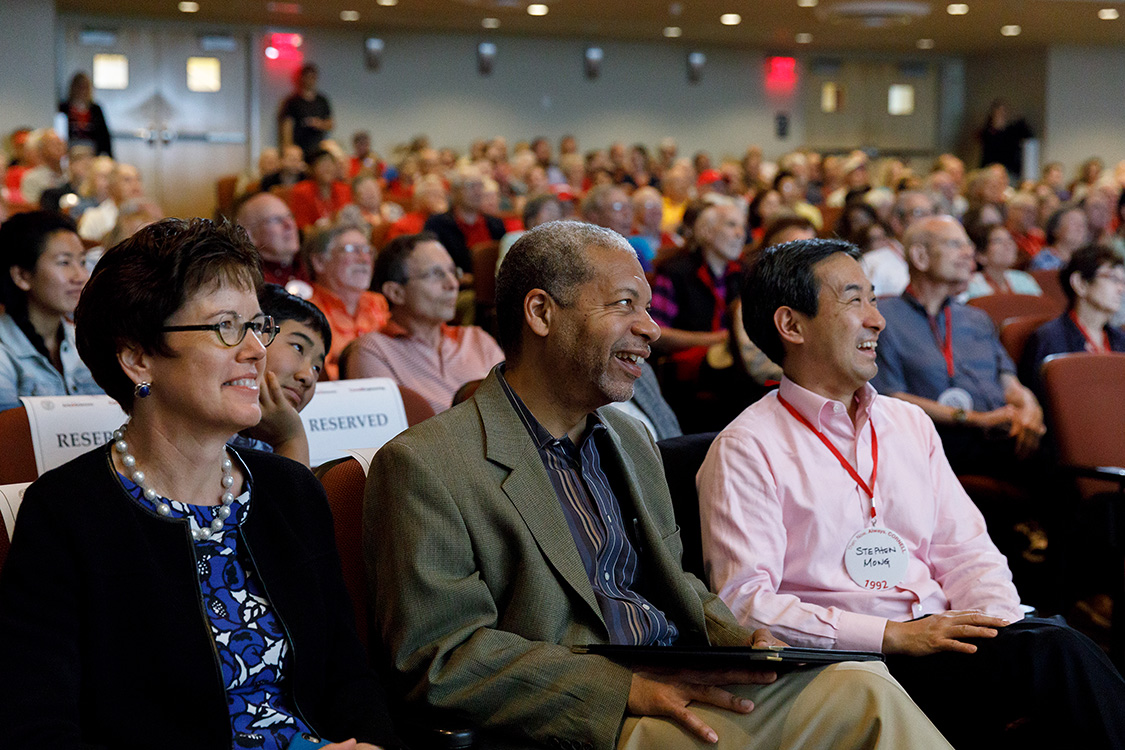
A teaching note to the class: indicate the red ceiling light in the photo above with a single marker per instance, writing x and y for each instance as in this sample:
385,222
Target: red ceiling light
781,74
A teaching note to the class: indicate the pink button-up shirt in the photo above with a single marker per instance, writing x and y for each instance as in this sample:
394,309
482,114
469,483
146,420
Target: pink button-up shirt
778,510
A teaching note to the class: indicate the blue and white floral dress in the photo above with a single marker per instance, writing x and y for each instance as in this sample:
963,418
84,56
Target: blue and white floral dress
249,638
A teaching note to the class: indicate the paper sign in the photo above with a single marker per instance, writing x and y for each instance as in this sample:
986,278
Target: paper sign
350,415
11,495
65,427
365,456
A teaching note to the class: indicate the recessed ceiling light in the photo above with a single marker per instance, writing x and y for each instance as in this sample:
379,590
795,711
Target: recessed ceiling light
957,9
807,3
804,38
730,19
188,7
1011,29
349,15
1108,14
673,31
490,23
925,44
537,9
387,3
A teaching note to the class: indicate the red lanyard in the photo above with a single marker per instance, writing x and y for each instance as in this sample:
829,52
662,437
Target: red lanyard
868,488
1091,345
709,281
946,346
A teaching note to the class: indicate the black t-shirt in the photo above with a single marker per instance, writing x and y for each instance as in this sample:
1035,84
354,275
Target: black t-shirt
299,108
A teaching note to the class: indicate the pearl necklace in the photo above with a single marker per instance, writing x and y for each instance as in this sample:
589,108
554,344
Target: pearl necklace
154,497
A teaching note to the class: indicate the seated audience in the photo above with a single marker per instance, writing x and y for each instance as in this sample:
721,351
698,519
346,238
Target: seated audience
835,537
124,183
675,186
536,211
416,348
430,197
792,191
996,253
48,173
550,526
692,291
44,272
608,206
946,357
293,365
886,265
342,262
1067,230
368,202
94,188
79,160
648,215
1023,222
273,230
1094,282
291,169
142,598
465,225
316,200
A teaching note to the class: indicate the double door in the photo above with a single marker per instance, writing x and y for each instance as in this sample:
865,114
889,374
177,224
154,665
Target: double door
177,102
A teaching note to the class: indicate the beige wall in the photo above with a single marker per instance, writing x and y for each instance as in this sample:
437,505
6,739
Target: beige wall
1085,93
27,64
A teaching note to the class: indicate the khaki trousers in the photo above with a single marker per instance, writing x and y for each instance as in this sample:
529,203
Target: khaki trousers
843,706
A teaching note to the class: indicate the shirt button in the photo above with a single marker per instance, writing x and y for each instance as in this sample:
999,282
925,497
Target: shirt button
606,576
837,408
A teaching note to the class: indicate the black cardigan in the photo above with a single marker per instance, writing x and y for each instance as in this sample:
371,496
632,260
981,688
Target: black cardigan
103,638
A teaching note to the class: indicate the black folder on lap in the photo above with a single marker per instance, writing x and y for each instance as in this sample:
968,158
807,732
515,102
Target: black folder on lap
724,657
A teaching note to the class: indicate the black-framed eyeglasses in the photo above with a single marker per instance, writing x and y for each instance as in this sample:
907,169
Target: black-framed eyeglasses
231,330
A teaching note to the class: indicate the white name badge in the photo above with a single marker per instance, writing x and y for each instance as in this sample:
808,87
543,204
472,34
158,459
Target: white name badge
65,427
956,398
348,415
876,559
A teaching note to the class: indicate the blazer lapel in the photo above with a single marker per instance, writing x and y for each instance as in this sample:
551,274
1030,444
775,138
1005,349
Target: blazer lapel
529,488
668,569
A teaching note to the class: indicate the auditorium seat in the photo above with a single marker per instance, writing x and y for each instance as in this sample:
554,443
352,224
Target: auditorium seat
17,459
485,256
1015,331
1001,307
682,456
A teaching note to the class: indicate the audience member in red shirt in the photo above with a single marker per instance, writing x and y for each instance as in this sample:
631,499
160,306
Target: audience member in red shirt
315,201
466,225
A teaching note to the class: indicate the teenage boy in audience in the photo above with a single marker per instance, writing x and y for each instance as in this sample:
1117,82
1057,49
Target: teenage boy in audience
831,516
293,364
529,519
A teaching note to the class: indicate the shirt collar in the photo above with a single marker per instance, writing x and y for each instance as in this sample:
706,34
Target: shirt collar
539,434
908,295
395,331
819,411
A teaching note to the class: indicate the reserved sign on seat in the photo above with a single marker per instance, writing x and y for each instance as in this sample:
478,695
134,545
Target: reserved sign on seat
65,427
347,415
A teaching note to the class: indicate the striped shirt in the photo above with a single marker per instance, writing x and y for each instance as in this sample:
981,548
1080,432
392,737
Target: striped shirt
594,517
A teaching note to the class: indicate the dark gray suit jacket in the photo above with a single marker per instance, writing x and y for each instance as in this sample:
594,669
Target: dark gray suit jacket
479,589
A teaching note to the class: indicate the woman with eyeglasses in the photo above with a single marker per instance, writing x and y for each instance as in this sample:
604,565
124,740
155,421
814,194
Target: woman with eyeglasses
417,348
165,590
342,261
1094,282
44,264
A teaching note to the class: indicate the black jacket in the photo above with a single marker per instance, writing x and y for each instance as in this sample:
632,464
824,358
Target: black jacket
449,234
103,638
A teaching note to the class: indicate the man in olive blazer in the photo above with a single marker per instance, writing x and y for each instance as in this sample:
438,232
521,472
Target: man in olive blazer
478,582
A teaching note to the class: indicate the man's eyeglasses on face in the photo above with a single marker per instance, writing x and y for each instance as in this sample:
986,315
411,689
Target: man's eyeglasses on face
231,329
437,273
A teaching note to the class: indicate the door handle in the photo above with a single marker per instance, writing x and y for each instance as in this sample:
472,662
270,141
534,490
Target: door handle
167,136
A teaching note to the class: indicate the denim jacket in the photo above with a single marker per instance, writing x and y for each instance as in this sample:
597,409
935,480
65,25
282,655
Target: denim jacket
26,372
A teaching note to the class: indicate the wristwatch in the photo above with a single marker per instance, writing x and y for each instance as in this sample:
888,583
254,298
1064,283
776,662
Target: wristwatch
960,416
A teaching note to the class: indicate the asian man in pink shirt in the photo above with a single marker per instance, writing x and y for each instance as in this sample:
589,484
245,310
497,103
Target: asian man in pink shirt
831,516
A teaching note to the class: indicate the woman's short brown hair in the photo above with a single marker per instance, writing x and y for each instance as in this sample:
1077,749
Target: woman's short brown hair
140,283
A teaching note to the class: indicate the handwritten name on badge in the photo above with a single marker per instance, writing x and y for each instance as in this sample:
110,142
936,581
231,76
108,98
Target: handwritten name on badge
876,559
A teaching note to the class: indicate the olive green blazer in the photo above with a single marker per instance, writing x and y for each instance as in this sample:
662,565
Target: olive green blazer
478,587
